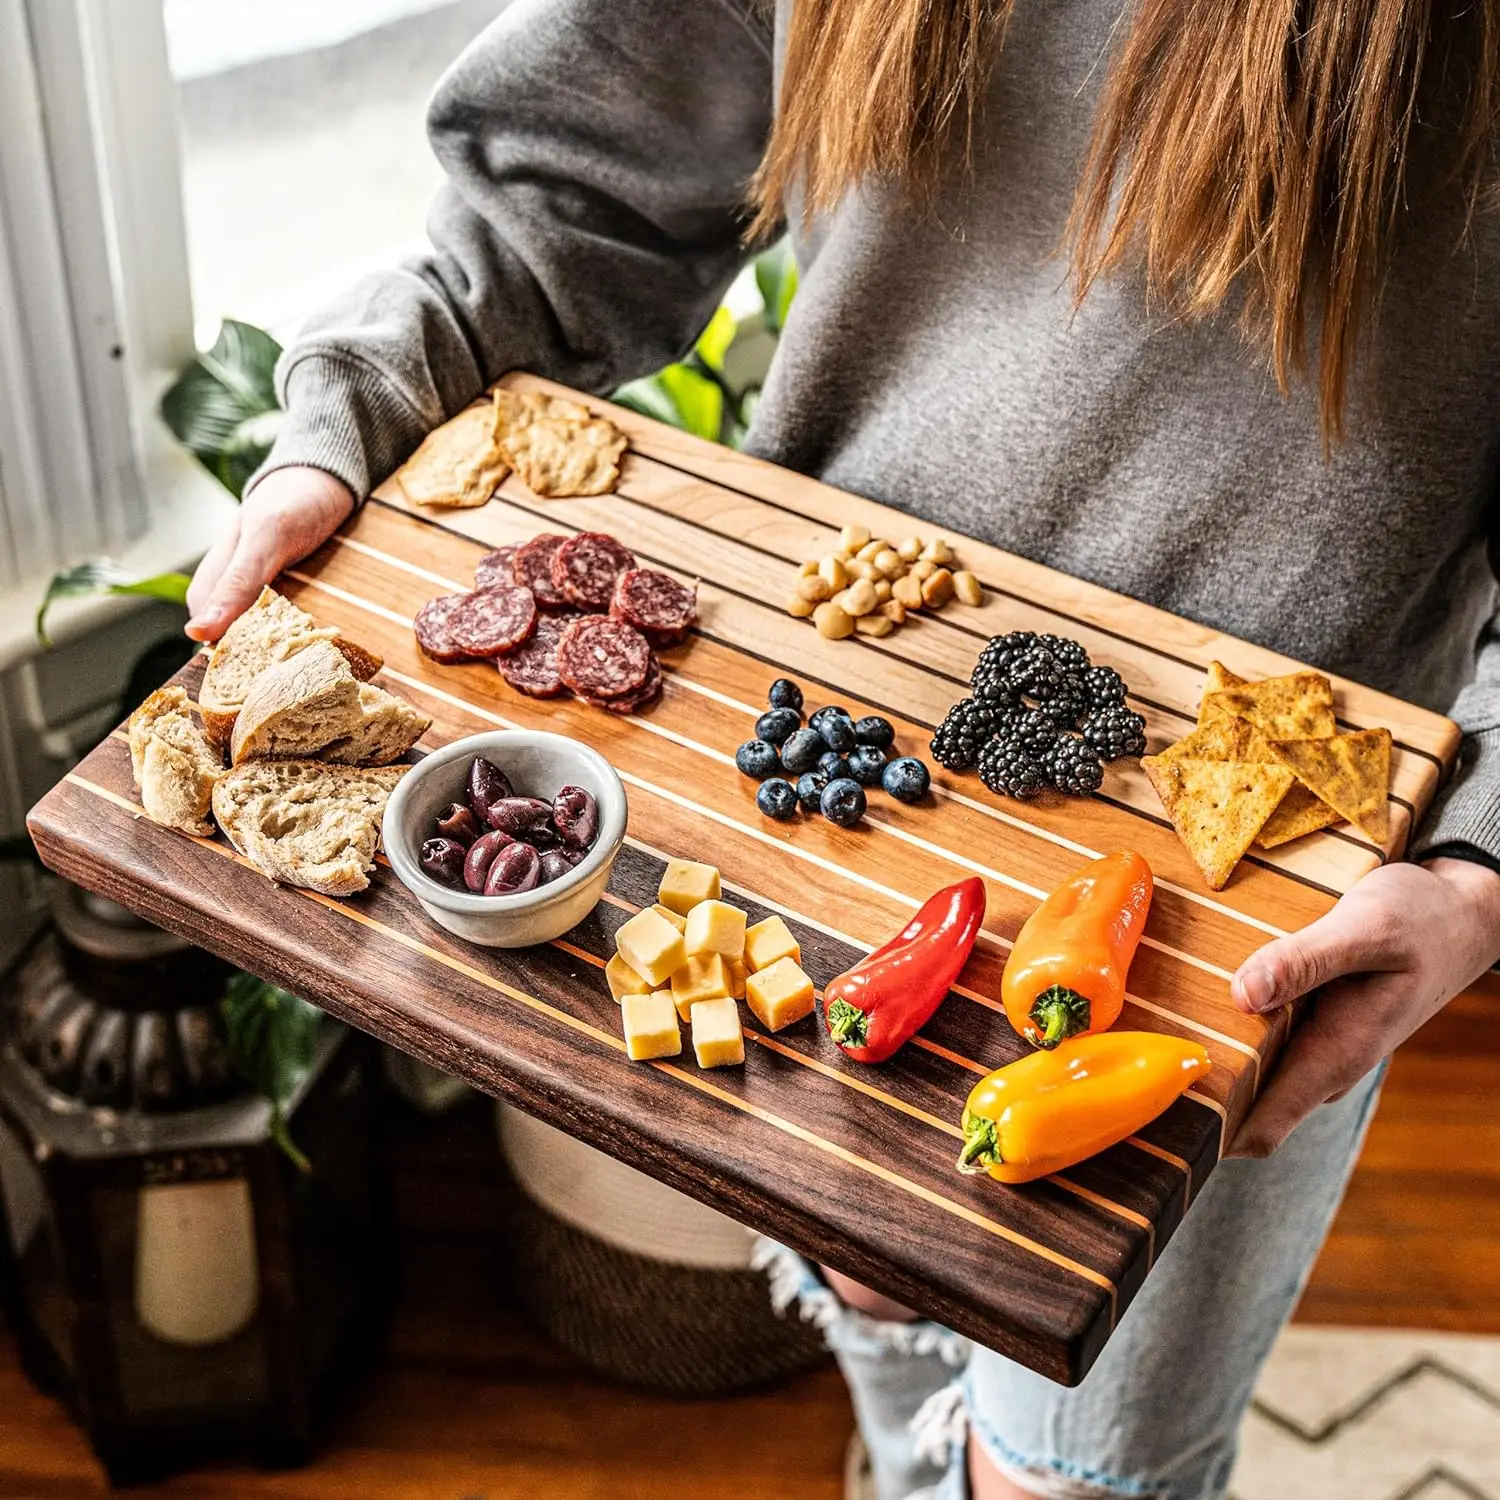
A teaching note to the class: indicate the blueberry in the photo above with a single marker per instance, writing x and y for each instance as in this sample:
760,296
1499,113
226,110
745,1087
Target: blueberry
830,711
778,724
757,758
843,802
776,799
810,789
801,751
836,727
785,694
865,764
906,779
832,764
876,731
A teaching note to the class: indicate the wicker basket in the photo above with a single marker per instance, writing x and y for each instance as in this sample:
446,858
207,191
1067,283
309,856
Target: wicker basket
637,1281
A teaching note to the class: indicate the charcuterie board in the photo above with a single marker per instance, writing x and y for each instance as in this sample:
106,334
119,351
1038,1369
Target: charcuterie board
852,1165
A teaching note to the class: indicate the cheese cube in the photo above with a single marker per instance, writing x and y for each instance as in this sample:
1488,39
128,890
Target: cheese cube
718,1040
675,918
686,883
737,975
651,945
779,995
705,977
716,927
623,980
769,940
650,1026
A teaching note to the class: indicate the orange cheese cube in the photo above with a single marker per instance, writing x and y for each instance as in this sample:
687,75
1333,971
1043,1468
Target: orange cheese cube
769,940
779,995
686,883
703,977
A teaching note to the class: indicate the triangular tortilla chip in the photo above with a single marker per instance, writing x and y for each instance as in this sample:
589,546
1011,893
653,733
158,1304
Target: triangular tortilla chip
459,464
1217,807
1222,738
1298,706
1301,811
1350,772
1219,677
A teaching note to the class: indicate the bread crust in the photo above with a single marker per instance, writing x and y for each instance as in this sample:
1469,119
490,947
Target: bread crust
175,765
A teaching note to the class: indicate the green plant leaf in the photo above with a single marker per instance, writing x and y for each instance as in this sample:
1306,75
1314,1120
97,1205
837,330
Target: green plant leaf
273,1037
101,576
713,343
680,396
650,398
221,406
776,277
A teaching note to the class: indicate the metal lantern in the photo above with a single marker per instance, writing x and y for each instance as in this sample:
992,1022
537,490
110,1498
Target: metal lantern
170,1274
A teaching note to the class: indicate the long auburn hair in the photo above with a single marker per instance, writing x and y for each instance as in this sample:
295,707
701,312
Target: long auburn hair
1254,145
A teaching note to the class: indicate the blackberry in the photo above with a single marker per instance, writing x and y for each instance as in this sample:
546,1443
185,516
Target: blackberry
1073,767
1115,732
999,655
1069,655
1006,767
1103,686
1067,704
1036,734
1035,673
991,679
957,741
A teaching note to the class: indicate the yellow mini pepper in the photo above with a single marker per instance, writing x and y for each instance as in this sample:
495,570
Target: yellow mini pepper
1053,1109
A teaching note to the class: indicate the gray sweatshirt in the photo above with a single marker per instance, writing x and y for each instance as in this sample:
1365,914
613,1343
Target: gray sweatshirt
596,154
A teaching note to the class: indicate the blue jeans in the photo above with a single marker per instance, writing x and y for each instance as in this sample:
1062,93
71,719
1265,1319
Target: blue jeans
1159,1414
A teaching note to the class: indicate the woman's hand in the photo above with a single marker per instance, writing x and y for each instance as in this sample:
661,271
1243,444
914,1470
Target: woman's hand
1392,953
287,515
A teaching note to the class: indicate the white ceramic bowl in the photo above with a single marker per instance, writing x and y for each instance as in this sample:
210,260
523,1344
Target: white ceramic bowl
539,765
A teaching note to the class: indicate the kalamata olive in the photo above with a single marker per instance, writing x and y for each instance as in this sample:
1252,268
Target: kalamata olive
516,868
456,822
518,815
487,784
576,816
443,859
481,856
556,863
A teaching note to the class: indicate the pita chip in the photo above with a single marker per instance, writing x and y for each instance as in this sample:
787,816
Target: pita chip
1298,706
1217,807
457,465
1350,772
1302,811
1222,738
1219,677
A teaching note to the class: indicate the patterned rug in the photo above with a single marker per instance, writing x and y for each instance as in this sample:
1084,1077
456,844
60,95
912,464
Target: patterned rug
1354,1414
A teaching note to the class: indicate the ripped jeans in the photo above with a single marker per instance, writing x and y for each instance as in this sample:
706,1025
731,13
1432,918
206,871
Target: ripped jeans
1159,1414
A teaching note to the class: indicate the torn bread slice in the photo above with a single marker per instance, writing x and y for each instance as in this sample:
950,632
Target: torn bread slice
306,823
175,765
388,727
270,631
297,706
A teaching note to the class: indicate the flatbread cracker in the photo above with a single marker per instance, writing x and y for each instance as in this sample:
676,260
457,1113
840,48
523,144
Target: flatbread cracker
458,465
1350,772
1219,677
517,410
565,458
1217,807
1301,812
1298,706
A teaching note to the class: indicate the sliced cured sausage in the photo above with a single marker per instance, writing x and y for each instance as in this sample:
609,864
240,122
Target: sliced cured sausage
585,568
491,622
628,703
532,667
601,657
532,565
496,569
656,604
434,630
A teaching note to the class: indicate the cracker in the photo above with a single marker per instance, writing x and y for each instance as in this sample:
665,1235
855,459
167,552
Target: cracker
1350,772
1298,706
1219,677
458,465
517,410
1222,738
1302,811
565,458
1217,807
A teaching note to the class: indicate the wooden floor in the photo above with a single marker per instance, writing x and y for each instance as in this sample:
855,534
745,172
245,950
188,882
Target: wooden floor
471,1405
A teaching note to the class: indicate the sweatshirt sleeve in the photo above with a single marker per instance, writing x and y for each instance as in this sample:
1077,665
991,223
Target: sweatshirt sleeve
597,153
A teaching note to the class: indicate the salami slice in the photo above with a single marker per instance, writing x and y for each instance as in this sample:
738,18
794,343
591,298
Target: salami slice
662,609
434,630
586,566
496,569
533,569
601,657
491,622
639,698
532,667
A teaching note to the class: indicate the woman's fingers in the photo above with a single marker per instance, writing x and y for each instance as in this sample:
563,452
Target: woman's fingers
207,574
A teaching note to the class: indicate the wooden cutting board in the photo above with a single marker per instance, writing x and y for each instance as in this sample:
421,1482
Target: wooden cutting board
851,1165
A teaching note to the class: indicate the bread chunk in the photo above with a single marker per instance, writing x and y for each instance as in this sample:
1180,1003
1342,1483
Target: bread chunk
297,706
175,765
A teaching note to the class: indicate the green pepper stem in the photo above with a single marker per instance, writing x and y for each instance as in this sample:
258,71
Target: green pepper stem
848,1025
981,1146
1061,1013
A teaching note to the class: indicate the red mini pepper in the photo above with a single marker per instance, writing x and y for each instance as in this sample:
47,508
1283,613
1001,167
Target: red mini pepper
886,999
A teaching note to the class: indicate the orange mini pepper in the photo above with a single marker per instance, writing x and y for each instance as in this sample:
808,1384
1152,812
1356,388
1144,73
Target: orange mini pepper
1051,1110
1066,974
